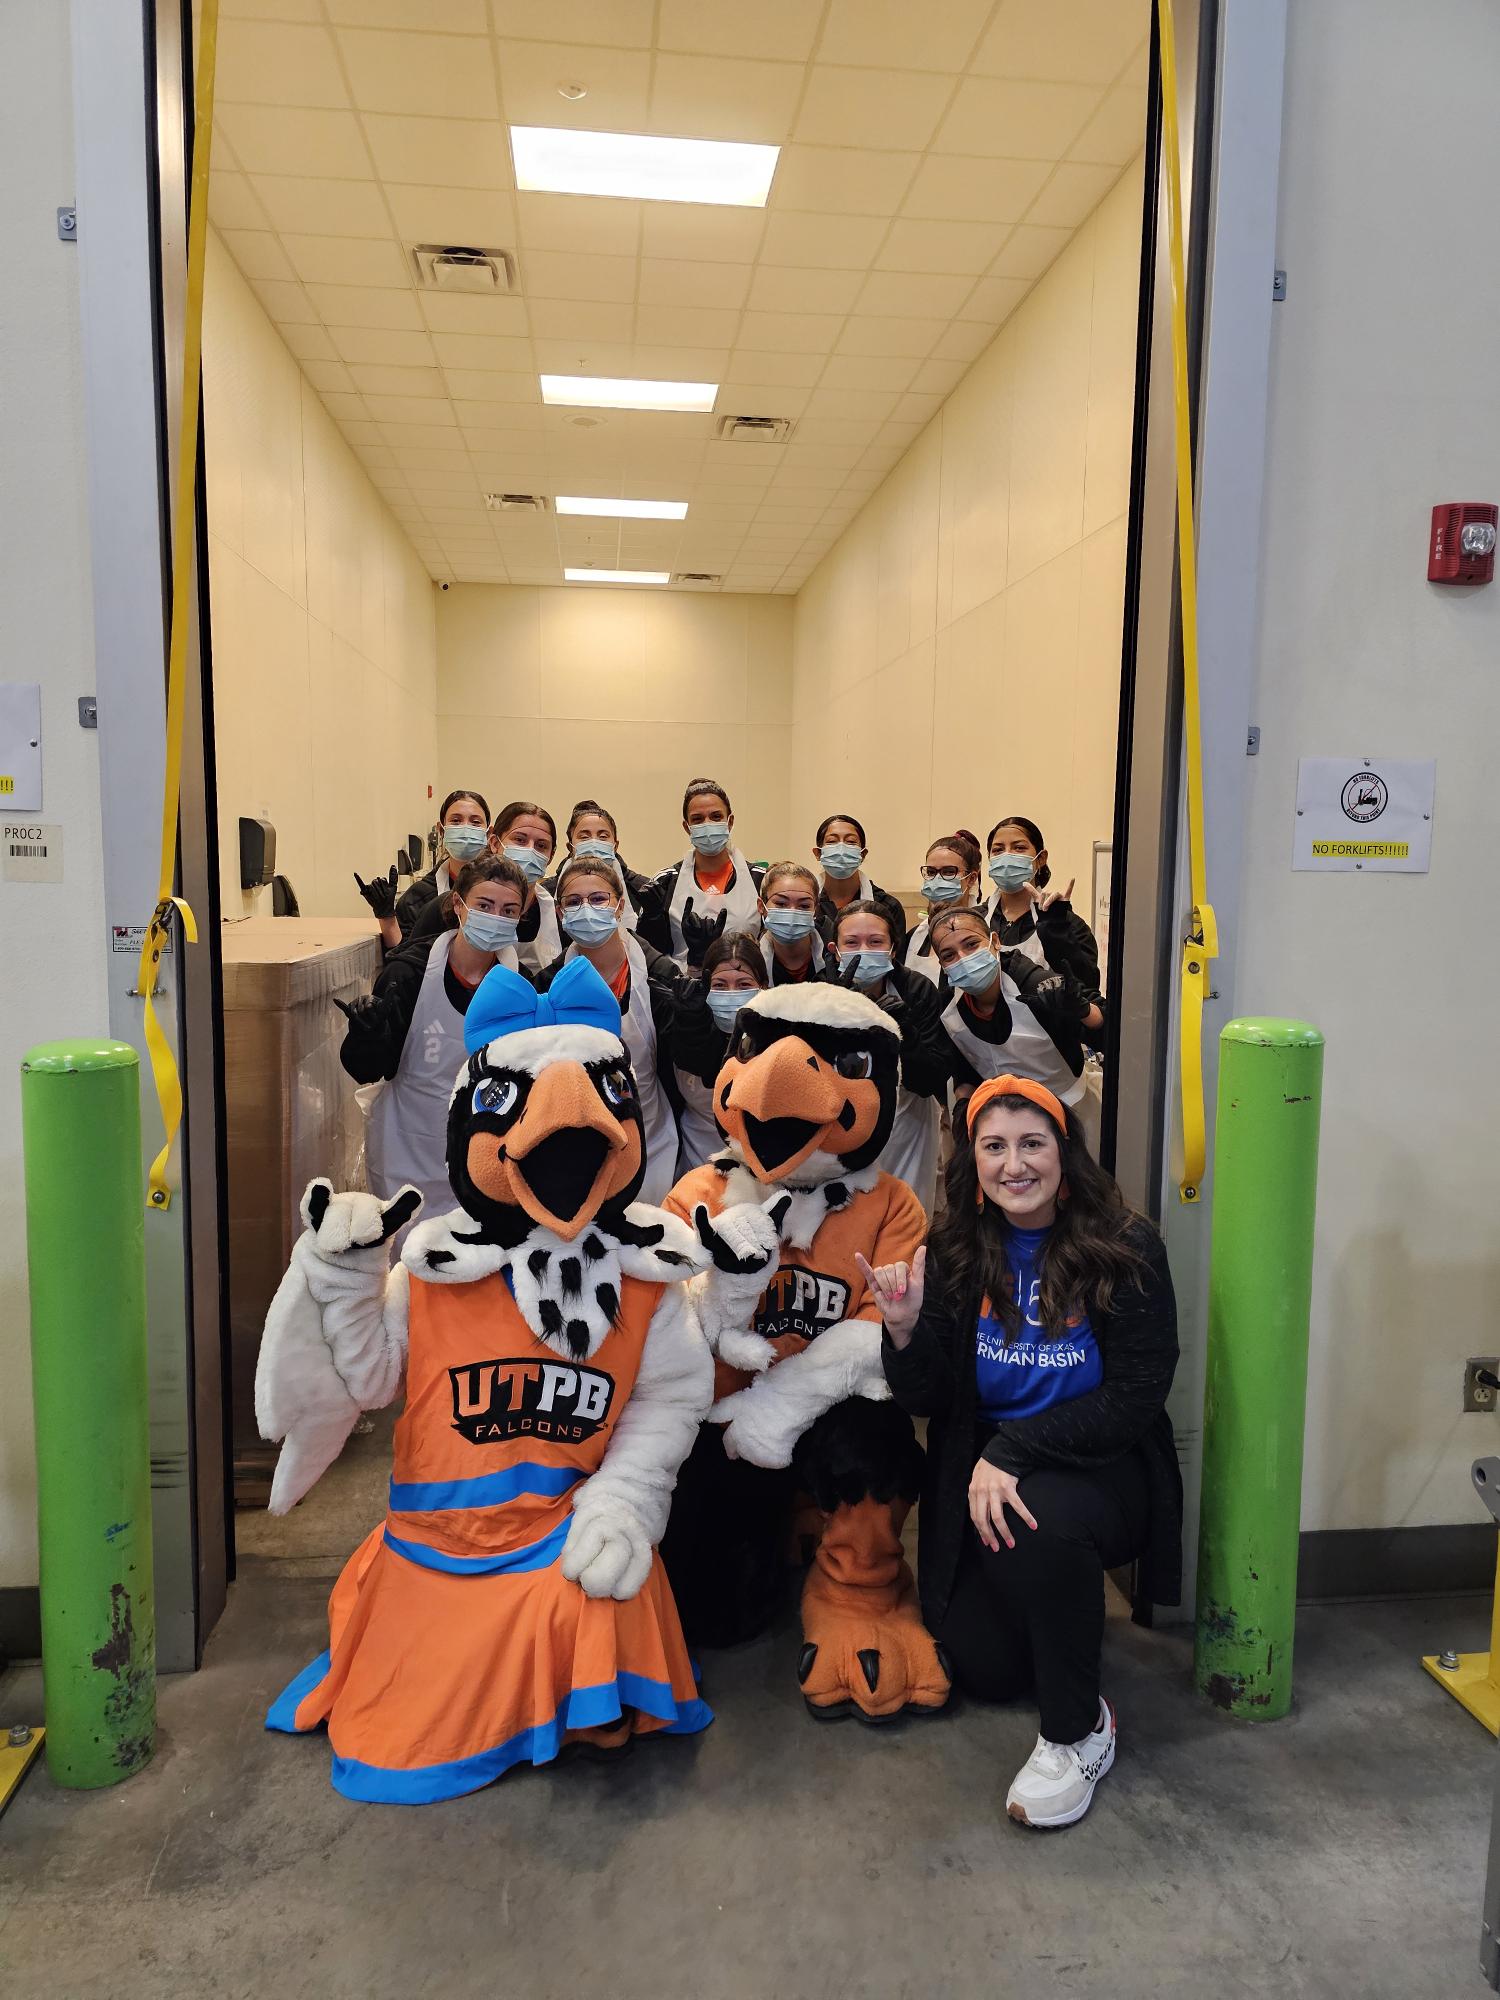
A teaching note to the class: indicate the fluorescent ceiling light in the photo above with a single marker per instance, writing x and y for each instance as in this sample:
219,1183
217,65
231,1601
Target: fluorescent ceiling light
617,576
632,165
613,392
622,510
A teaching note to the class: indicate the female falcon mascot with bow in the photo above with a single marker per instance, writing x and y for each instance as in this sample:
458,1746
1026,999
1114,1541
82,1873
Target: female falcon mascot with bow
512,1600
806,1101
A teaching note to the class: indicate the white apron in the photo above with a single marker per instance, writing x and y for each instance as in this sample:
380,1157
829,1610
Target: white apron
638,1033
1030,947
815,965
911,1152
1030,1051
915,959
699,1138
407,1136
742,901
548,942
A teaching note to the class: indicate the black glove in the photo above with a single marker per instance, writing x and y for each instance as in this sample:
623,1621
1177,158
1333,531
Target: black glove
380,893
1046,990
698,933
366,1015
847,969
1053,924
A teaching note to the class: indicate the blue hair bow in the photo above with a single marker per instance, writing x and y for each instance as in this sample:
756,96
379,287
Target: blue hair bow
505,1003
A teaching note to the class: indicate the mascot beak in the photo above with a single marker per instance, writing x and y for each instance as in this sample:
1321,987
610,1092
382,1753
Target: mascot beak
781,1104
564,1156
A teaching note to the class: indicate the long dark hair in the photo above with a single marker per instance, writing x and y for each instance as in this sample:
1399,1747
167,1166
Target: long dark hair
1033,833
1088,1255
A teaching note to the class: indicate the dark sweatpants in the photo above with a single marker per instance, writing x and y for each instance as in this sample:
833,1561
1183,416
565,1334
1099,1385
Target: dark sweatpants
1032,1617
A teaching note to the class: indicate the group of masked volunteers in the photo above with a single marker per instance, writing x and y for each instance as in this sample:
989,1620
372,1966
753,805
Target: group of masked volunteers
1000,975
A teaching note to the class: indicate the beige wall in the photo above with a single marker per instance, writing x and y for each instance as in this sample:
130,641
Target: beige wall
1372,422
324,653
957,651
623,696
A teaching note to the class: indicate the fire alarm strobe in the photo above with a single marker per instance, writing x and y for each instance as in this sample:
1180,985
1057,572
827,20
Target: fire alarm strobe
1463,542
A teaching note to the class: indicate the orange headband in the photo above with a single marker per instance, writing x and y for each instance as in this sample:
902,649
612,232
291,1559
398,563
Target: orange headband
1016,1086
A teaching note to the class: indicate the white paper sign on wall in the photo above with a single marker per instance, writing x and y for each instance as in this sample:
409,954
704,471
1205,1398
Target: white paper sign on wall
20,747
1366,814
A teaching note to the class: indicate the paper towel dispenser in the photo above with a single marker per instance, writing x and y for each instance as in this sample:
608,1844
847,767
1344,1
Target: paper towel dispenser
257,853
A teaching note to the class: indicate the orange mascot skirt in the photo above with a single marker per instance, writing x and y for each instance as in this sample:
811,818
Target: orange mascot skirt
456,1647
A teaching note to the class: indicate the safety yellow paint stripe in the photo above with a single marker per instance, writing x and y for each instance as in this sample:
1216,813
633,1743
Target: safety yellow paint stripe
1202,942
164,1069
15,1761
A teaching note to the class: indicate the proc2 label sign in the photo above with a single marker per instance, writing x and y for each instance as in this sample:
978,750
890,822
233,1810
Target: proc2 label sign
31,851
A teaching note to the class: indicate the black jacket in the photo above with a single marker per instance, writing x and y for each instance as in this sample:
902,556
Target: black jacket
653,920
911,1000
1053,995
934,1377
434,918
373,1041
895,916
415,901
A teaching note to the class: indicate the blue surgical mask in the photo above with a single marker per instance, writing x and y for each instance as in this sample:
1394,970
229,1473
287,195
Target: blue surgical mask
594,850
532,864
973,973
942,888
872,968
586,925
1011,871
840,859
487,933
789,926
710,836
465,843
724,1002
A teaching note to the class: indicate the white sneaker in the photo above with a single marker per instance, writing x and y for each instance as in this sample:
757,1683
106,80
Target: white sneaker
1055,1786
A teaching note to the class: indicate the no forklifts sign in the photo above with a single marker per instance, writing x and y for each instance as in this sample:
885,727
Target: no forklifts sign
1370,815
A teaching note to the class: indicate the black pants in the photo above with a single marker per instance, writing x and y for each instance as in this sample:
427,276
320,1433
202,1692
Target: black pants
1032,1617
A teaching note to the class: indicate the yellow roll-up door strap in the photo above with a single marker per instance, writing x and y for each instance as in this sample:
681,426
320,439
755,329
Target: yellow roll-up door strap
1202,941
158,1049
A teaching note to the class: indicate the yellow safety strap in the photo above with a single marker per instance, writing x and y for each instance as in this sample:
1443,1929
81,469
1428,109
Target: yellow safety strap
1202,941
158,1049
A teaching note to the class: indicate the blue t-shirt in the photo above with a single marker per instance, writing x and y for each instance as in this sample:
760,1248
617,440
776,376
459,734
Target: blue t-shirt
1032,1372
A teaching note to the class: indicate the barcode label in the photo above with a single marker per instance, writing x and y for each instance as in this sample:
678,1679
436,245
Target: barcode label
31,851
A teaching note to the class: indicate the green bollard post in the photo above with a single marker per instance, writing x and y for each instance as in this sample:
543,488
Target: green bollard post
86,1259
1259,1293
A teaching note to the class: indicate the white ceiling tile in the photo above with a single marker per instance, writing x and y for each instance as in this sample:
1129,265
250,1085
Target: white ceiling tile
559,274
804,290
617,82
878,108
258,253
441,76
440,152
621,23
841,181
1117,130
912,294
835,457
964,339
678,364
272,10
355,305
668,281
329,377
869,335
970,190
901,434
1028,252
1016,121
681,230
343,407
285,301
580,357
673,326
445,17
873,404
447,313
762,399
790,333
422,458
307,342
491,385
587,225
506,443
483,350
431,413
835,430
375,378
495,415
941,246
939,376
899,34
271,62
994,299
784,28
917,407
792,371
1065,41
711,97
453,215
868,371
232,203
347,260
378,344
323,207
561,319
397,432
1073,193
269,139
822,242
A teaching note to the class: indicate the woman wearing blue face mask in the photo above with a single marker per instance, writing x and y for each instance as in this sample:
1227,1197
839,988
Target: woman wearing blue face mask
790,943
840,850
594,835
430,984
703,1026
866,961
526,835
464,830
590,900
1005,1013
1026,914
712,889
950,880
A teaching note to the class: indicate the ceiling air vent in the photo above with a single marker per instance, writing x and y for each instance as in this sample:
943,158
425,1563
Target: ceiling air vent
454,267
753,430
697,579
516,503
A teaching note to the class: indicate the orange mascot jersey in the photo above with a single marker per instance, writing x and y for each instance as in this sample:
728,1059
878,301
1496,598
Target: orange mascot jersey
457,1648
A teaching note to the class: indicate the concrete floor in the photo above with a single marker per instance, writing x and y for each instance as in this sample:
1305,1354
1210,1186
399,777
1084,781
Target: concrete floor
1338,1853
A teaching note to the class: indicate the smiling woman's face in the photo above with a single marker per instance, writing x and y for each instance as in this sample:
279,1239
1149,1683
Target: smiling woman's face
1019,1164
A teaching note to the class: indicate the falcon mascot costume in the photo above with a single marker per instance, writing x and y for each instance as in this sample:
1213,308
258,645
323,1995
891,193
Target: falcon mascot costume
806,1101
512,1600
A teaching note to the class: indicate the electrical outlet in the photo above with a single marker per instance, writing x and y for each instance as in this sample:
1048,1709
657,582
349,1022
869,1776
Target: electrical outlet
1480,1395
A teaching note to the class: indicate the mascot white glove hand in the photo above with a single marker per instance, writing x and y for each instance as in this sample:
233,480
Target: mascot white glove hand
744,1242
607,1552
339,1223
763,1422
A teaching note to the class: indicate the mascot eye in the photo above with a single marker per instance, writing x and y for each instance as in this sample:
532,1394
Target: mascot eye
744,1049
617,1087
855,1064
496,1095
